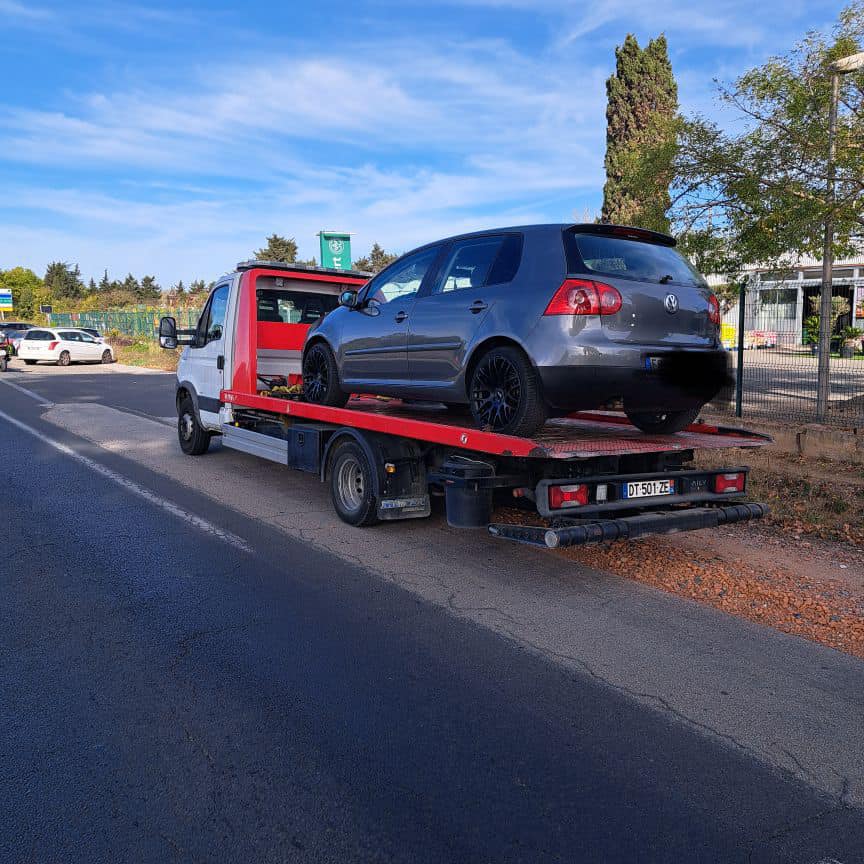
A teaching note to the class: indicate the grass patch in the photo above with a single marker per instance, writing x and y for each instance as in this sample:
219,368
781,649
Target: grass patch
141,351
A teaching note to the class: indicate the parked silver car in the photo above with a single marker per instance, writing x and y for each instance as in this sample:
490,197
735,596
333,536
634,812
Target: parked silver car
525,323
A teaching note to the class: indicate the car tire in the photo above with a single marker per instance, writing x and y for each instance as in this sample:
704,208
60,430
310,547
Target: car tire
194,438
504,393
30,362
662,422
106,357
65,359
321,377
352,485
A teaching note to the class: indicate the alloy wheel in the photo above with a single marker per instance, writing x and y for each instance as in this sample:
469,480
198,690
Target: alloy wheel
496,391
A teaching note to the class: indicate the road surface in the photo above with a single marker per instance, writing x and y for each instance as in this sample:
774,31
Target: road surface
200,664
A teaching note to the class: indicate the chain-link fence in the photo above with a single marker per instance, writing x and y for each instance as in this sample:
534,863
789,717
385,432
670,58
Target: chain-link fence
779,357
128,322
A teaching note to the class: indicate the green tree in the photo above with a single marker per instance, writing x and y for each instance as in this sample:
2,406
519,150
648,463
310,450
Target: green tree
149,291
375,261
91,286
278,248
131,285
642,102
105,282
759,195
28,290
64,281
197,287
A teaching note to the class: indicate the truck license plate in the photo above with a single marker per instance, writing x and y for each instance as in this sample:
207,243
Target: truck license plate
648,488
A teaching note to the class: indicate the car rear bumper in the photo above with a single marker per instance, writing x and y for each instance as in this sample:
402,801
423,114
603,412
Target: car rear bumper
671,380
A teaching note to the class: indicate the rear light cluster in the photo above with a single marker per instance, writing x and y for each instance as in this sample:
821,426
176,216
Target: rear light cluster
52,345
584,297
729,482
713,310
574,495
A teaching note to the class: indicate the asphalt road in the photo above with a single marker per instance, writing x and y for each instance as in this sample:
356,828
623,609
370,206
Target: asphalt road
181,681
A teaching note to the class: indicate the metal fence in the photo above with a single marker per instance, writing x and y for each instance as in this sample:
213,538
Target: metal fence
779,357
139,322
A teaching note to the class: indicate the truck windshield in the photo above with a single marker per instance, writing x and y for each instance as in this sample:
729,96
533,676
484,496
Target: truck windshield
630,259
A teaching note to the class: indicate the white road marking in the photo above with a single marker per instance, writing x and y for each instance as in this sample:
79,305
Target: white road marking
197,521
40,399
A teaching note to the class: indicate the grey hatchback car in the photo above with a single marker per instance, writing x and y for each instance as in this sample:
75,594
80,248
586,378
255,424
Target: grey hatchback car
525,323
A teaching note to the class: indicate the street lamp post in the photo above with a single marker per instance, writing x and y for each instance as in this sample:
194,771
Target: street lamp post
823,385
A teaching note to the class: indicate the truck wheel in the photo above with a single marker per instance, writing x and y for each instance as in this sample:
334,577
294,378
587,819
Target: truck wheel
352,485
65,359
194,438
505,394
662,422
321,377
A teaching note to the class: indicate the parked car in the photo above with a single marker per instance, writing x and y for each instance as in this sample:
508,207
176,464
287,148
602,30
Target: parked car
94,333
525,323
14,331
62,346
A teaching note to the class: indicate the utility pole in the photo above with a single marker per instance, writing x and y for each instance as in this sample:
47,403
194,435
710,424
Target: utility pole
823,382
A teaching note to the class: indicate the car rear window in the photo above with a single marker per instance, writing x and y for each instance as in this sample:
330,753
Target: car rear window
293,307
628,259
39,335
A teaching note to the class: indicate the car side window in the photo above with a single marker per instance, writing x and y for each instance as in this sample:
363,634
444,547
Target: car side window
69,336
468,264
403,279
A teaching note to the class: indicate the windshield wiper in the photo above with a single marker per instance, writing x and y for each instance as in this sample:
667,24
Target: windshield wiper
667,278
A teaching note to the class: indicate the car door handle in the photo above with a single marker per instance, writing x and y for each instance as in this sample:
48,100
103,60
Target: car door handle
400,317
478,306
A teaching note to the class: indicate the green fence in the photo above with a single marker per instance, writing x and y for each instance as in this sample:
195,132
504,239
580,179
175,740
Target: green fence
130,322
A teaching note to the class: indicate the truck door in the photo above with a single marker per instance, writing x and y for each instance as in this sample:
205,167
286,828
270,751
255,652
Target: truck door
205,361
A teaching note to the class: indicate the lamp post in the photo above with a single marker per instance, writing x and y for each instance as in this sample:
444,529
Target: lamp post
823,388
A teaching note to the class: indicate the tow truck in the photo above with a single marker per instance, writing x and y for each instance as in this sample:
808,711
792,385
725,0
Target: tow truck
585,478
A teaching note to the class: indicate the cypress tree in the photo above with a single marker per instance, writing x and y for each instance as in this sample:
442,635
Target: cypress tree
642,102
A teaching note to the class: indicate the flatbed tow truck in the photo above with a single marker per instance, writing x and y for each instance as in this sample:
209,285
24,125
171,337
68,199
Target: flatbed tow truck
586,478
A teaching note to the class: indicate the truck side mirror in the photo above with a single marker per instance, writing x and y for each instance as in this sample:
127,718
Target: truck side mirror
167,332
348,298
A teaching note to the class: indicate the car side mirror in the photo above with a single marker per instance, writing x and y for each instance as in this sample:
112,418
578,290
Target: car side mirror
348,298
167,332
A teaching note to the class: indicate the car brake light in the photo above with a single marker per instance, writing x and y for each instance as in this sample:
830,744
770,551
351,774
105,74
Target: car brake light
584,297
568,496
52,345
713,310
729,482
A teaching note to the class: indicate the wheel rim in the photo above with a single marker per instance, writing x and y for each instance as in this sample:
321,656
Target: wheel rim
496,391
106,356
349,483
64,359
187,426
316,375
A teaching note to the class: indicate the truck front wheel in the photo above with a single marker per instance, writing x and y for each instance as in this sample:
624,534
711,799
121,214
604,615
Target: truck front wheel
194,438
352,485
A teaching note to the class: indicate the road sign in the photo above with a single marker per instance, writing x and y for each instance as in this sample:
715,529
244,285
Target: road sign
5,300
335,250
46,310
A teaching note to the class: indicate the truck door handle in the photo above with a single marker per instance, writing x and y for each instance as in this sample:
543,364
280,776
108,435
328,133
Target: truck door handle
400,317
478,306
220,362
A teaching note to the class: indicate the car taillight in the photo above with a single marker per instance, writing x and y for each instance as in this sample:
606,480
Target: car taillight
713,310
52,345
584,297
729,482
574,495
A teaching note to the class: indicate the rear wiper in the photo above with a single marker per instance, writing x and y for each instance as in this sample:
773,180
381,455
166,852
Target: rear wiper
667,278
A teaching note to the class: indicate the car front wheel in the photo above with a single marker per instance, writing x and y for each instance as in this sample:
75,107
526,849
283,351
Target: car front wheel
106,357
662,422
504,393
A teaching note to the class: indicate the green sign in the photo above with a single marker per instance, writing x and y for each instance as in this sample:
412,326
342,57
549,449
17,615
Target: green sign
335,250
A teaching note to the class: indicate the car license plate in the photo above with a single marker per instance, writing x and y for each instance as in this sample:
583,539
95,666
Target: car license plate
647,488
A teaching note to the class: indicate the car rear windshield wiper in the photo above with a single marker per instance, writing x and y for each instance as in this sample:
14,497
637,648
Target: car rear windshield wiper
667,278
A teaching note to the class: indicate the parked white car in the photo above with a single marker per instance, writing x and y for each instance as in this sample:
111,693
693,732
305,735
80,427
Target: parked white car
62,347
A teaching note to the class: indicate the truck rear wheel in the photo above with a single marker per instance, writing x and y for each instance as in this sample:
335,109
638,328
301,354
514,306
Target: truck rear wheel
352,485
194,438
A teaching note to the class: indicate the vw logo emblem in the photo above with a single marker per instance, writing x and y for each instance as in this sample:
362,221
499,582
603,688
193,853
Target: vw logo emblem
671,304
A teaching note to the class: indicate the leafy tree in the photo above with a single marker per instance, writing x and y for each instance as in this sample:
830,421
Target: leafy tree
28,290
642,102
278,249
375,261
759,195
64,281
197,287
149,290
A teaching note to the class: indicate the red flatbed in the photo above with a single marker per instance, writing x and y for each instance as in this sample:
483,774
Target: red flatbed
580,436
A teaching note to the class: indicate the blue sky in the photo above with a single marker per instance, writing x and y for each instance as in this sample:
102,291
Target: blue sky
170,138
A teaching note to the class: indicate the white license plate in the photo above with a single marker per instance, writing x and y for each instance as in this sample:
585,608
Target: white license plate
647,488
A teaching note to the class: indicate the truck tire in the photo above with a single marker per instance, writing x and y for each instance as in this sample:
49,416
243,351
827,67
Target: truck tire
505,394
352,485
321,377
194,438
662,422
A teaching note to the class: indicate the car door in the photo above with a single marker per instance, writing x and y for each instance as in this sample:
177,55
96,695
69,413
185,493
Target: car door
91,348
374,336
451,309
205,359
70,341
